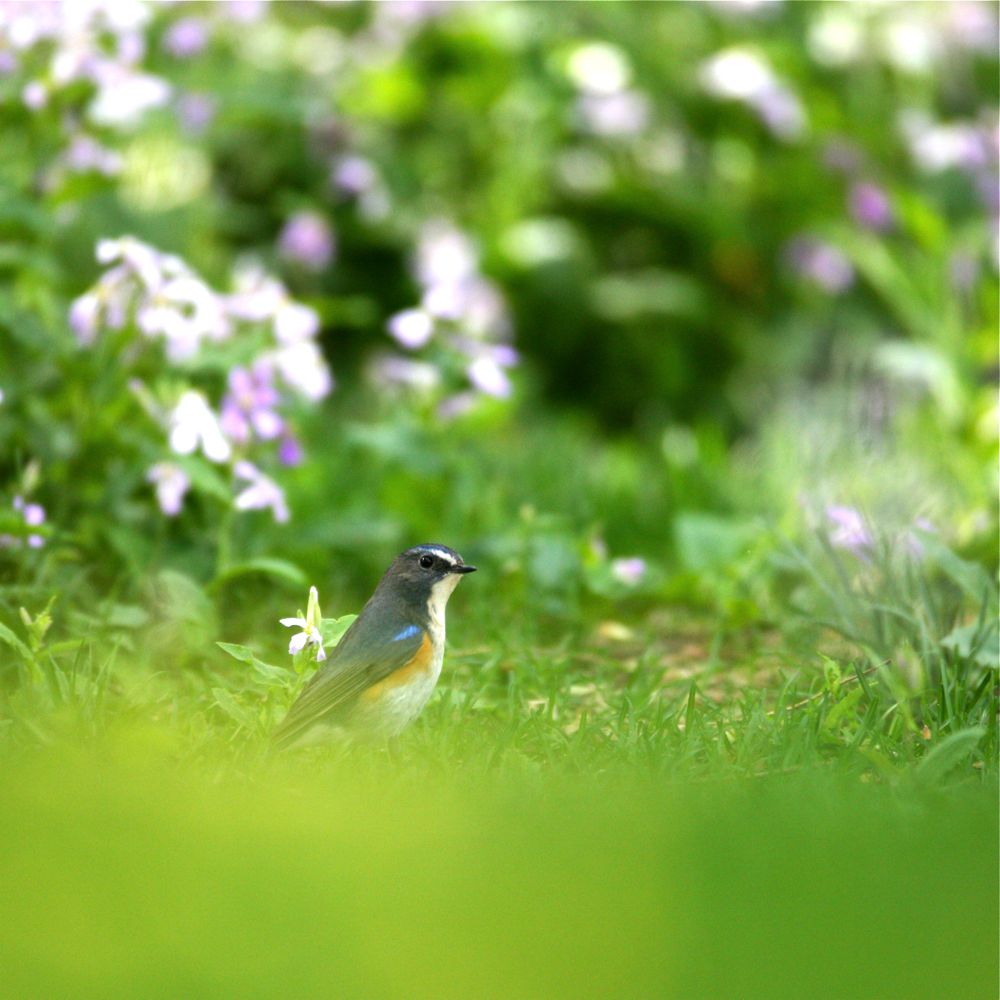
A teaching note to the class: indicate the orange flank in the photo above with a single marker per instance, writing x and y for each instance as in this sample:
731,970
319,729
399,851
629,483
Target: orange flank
421,663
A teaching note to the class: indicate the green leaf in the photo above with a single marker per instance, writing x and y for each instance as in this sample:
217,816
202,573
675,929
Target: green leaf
265,671
707,541
972,578
233,708
963,639
240,653
333,629
204,478
280,569
841,709
949,753
127,616
7,636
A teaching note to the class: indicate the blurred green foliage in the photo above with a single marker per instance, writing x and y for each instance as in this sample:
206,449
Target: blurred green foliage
390,882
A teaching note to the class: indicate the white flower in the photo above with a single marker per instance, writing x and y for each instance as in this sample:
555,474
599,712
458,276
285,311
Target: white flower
171,484
737,73
629,571
625,113
310,625
444,255
294,322
411,327
193,424
263,492
124,96
599,68
487,376
302,367
184,311
84,315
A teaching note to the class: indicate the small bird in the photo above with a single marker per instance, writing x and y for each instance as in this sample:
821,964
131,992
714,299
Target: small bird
381,673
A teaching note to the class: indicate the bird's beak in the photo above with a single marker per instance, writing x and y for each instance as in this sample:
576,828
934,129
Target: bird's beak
464,569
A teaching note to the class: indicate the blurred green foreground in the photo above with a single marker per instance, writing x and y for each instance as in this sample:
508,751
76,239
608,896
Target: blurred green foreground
136,879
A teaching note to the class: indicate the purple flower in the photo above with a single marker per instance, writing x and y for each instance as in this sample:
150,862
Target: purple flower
849,529
413,328
307,240
34,516
842,156
629,571
195,112
821,263
263,493
248,407
87,154
869,206
290,451
245,11
353,175
186,37
35,96
620,114
171,483
781,111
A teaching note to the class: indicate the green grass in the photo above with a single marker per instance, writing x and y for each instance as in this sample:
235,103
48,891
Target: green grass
650,810
126,875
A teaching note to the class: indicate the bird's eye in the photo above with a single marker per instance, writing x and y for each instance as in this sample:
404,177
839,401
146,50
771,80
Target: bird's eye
427,561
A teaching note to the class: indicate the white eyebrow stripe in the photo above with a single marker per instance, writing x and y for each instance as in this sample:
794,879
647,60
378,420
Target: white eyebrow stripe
441,554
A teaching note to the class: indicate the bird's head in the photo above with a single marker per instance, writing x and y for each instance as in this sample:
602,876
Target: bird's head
427,575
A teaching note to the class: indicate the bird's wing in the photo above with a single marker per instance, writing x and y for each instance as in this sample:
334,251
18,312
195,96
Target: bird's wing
356,663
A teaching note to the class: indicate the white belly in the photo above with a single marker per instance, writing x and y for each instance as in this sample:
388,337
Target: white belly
397,707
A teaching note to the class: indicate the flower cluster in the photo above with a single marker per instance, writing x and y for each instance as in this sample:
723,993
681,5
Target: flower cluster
33,516
101,43
606,104
164,300
462,312
850,530
739,74
820,263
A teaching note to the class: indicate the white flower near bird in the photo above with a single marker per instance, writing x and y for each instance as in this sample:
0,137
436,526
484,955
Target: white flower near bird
310,634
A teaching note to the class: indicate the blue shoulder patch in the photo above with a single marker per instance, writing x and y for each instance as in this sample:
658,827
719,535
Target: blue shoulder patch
407,633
